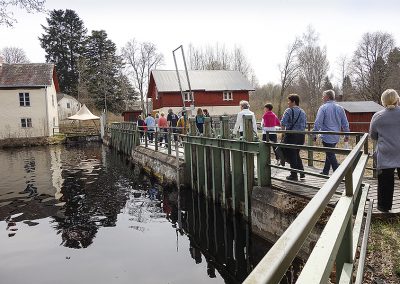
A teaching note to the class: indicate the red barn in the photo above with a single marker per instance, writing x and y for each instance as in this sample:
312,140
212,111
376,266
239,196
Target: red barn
359,114
218,91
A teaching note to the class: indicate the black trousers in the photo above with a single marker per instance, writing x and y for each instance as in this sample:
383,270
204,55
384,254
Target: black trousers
293,155
385,189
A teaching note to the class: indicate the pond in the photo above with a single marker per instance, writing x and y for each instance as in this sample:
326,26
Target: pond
84,214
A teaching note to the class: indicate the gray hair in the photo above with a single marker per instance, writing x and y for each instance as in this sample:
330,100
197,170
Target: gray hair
390,98
244,104
329,93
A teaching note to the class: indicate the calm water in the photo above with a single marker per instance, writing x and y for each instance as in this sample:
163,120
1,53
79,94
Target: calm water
83,214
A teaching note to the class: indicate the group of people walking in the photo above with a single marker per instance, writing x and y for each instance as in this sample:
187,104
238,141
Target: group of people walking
331,117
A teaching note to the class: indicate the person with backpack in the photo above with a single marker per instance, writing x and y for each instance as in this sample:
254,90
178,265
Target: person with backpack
200,120
172,119
294,118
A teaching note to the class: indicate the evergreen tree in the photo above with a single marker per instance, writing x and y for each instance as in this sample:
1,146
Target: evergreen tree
378,78
394,69
102,72
64,42
347,88
327,84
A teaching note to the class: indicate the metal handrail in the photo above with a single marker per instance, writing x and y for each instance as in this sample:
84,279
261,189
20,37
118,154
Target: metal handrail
276,262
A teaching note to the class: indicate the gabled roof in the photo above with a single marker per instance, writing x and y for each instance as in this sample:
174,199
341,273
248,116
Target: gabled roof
361,106
27,75
60,96
208,80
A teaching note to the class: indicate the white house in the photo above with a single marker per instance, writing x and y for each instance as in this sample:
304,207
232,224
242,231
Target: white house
28,99
67,106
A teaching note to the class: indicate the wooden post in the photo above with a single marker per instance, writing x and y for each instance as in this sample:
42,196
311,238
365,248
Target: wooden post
207,159
193,157
248,165
310,143
169,140
225,164
156,137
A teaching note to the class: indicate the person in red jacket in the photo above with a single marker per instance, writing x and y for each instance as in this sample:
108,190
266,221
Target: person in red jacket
269,122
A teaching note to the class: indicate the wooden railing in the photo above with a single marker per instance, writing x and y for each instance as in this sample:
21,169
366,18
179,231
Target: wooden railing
338,242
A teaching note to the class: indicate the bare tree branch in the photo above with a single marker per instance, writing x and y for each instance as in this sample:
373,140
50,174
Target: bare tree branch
14,55
141,58
7,17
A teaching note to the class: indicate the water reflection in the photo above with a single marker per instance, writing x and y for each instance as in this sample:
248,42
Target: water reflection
56,202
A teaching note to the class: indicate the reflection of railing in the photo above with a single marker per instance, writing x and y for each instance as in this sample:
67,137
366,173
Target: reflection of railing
338,242
221,165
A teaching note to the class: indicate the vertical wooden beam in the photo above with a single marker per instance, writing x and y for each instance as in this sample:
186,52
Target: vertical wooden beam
225,164
310,143
207,159
193,157
263,164
248,165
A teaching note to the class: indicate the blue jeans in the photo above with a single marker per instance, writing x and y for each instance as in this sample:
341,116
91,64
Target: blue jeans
330,159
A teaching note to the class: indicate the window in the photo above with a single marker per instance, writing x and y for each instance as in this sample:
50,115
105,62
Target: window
26,122
188,96
228,96
52,100
24,99
156,95
68,105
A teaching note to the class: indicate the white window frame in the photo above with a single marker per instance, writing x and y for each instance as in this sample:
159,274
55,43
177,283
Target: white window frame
26,100
27,121
156,94
228,96
188,96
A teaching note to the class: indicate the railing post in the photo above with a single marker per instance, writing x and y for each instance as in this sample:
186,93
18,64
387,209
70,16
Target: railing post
310,143
248,165
207,156
145,138
169,138
225,163
156,138
193,157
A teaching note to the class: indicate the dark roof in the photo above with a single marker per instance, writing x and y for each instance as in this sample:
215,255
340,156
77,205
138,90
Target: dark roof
26,75
208,80
361,106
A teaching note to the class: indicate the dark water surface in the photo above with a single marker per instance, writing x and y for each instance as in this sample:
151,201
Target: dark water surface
83,214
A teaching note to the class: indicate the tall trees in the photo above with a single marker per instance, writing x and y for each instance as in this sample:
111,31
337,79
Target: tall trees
141,58
313,69
64,42
369,64
13,54
102,73
7,17
289,70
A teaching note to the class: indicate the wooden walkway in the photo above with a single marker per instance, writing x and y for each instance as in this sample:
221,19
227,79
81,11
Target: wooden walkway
316,182
312,183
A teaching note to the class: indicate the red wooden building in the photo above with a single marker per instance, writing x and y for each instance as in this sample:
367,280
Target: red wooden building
218,91
359,114
132,114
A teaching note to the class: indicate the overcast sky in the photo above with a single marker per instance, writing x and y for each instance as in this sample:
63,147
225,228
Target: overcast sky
262,28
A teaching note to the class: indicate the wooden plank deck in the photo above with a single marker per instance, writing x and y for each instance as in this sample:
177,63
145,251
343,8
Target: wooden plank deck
313,183
309,193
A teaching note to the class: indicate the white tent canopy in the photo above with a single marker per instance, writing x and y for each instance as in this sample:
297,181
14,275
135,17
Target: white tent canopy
84,114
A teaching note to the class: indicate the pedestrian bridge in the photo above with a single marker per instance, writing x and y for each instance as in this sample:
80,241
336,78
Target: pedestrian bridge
226,169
